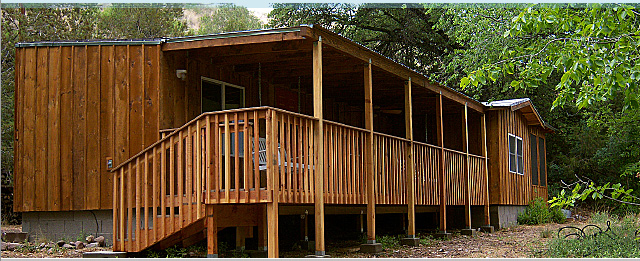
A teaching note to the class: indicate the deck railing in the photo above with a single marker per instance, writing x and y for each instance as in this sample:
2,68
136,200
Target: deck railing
223,157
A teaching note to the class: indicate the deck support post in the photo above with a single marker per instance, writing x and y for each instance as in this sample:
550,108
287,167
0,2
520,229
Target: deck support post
467,183
441,178
319,148
411,239
262,229
272,184
371,246
212,232
487,222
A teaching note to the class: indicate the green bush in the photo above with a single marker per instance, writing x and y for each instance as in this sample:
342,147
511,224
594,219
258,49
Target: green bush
619,242
539,213
388,242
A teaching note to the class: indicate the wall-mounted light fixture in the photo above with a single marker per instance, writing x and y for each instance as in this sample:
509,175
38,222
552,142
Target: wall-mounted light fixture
181,74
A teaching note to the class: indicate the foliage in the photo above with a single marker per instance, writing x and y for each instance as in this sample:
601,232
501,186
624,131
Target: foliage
133,21
389,242
227,18
539,213
594,47
620,242
583,189
402,32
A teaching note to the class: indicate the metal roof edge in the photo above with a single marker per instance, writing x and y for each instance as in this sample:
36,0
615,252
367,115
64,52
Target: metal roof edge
85,43
233,34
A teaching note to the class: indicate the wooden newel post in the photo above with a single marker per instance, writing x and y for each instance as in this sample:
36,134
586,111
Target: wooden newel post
273,184
487,221
467,174
368,119
319,147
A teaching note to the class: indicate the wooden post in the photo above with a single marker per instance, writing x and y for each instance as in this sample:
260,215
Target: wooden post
368,121
441,181
212,232
467,186
262,229
486,168
411,197
273,178
319,146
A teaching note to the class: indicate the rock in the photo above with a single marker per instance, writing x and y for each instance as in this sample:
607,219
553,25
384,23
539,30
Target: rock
79,245
67,246
94,244
100,241
566,212
90,238
43,245
61,243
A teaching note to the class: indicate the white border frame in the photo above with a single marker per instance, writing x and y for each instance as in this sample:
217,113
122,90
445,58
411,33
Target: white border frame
516,152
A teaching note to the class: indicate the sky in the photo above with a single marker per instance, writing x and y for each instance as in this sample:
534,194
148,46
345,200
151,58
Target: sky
261,13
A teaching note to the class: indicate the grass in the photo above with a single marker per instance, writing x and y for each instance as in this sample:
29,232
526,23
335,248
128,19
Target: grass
619,242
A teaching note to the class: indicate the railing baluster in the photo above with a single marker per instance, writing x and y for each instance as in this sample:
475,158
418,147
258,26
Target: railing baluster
256,155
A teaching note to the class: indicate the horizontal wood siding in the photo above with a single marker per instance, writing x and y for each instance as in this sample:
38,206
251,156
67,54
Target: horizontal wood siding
75,108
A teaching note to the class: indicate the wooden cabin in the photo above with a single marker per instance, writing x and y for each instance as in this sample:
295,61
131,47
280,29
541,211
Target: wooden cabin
158,142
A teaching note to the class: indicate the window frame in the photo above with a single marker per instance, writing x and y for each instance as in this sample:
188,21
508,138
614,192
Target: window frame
223,92
518,155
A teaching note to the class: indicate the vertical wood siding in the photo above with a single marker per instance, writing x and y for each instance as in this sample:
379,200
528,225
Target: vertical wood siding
77,106
506,188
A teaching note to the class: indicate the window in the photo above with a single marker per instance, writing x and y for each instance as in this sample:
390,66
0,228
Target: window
533,144
543,162
218,95
516,162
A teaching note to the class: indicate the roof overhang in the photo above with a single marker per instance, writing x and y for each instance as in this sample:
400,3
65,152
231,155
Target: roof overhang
527,109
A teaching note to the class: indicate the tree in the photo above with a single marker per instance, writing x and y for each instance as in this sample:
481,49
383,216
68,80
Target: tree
227,18
404,33
594,48
141,21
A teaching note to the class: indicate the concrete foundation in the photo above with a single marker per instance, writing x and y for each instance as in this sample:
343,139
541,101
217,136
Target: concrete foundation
410,241
308,245
505,216
468,232
442,235
371,248
68,225
487,229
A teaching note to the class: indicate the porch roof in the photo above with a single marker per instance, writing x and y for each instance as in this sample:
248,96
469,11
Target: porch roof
527,109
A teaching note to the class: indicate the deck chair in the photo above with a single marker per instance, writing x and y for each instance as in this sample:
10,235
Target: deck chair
262,156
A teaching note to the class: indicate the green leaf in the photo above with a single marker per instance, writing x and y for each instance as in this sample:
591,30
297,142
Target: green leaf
464,82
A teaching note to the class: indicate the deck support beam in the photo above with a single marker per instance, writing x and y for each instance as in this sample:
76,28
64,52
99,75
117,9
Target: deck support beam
212,232
273,185
487,222
319,146
467,183
371,245
441,179
411,197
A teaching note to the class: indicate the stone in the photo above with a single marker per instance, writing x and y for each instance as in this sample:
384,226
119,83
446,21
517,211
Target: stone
79,245
100,241
410,241
67,246
94,244
566,212
61,243
371,248
15,237
468,232
90,238
43,245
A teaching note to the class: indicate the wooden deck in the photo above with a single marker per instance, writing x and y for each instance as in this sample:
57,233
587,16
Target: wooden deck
215,159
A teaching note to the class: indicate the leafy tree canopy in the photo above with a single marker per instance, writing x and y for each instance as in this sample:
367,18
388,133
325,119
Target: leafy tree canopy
141,21
593,47
404,33
227,18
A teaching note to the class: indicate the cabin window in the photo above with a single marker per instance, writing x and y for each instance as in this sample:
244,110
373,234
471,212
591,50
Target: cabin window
516,162
218,95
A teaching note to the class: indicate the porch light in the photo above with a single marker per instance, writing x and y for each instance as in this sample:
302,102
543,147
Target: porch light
181,74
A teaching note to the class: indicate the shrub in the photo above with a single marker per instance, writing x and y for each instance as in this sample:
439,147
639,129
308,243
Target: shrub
388,241
539,213
619,242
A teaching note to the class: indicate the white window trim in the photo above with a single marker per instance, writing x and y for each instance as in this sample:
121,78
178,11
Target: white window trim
223,84
516,148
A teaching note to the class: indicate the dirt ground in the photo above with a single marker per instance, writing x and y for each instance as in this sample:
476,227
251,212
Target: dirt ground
518,242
